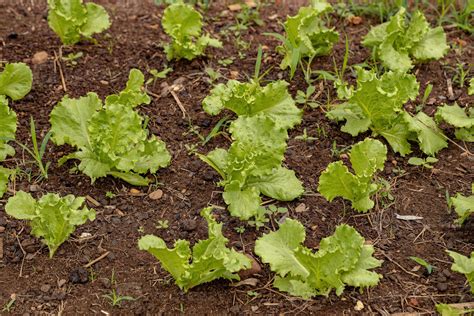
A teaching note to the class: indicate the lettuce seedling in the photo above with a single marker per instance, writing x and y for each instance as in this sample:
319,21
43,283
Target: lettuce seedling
399,44
463,205
52,218
112,138
306,37
15,82
184,25
377,104
464,265
342,260
456,116
253,163
209,259
253,166
71,19
367,157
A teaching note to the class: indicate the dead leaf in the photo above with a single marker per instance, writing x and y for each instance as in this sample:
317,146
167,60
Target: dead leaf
156,195
1,248
355,20
92,200
408,217
234,74
234,7
249,281
301,208
135,192
359,306
250,3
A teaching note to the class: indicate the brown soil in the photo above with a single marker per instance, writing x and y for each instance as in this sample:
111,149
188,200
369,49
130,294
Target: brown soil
43,285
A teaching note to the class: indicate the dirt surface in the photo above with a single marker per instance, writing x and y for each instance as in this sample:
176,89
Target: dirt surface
41,285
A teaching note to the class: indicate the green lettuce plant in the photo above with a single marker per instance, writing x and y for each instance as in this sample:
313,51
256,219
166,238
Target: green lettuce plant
306,37
399,44
377,105
52,218
72,20
463,265
184,25
456,116
253,163
367,157
343,259
208,259
111,138
15,82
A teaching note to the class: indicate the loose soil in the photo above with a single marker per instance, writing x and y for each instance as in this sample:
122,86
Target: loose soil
42,285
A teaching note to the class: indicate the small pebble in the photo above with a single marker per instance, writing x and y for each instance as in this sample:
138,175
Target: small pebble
45,288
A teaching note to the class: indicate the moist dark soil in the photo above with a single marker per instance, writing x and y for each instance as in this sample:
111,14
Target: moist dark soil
62,285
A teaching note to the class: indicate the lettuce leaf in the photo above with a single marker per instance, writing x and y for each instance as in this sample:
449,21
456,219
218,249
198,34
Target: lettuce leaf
7,128
52,218
342,260
16,80
377,105
209,259
399,44
71,19
463,205
111,139
456,116
306,37
184,25
464,265
367,157
5,174
250,99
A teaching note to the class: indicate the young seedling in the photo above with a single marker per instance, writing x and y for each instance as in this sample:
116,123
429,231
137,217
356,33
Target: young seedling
429,268
423,162
37,153
305,99
162,224
114,298
158,75
71,59
305,137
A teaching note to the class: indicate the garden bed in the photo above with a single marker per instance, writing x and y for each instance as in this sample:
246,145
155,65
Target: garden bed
40,284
